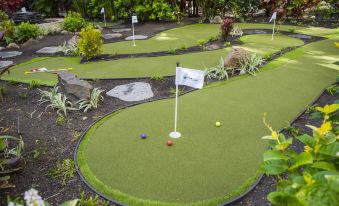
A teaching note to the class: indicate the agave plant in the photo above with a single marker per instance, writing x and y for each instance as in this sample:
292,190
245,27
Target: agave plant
57,101
252,65
236,31
219,72
92,102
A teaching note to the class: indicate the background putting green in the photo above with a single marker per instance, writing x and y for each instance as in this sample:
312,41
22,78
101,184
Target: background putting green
143,67
207,164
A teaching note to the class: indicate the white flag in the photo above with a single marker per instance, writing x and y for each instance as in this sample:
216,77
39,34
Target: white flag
274,16
102,11
134,19
189,77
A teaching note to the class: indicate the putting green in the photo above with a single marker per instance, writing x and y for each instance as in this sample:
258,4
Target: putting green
208,165
143,67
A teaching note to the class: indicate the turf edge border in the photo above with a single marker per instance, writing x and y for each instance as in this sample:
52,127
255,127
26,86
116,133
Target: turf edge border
153,100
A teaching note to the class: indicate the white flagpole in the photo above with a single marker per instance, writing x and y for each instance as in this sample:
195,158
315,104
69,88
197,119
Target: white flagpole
105,19
133,35
273,29
176,134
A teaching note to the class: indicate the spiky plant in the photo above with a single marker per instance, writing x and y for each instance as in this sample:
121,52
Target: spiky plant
92,102
252,65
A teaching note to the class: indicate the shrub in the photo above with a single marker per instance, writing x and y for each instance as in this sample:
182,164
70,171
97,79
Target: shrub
73,22
26,31
312,175
226,27
10,6
90,42
8,27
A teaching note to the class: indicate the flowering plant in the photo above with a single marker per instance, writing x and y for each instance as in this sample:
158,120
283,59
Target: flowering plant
226,27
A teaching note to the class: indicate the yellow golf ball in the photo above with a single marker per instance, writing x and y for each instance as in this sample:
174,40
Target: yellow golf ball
217,124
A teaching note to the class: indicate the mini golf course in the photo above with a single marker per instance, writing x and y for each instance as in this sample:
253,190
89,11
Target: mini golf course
209,165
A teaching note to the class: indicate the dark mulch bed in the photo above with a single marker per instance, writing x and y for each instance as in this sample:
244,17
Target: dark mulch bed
56,143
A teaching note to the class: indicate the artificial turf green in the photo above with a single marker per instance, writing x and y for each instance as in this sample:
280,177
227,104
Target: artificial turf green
143,67
207,164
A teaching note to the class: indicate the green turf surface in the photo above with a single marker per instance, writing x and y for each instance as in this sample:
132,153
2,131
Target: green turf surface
144,67
207,164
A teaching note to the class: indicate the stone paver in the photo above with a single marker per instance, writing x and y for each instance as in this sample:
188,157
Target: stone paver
49,50
136,91
9,54
4,64
111,36
121,30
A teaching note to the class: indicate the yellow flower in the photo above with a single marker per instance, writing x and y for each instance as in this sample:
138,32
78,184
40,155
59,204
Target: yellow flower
324,129
308,149
274,135
336,44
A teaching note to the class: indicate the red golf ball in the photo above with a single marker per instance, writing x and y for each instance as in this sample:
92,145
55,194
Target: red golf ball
169,143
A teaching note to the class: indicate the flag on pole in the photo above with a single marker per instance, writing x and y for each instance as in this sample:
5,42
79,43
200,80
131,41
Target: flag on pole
189,77
102,11
274,17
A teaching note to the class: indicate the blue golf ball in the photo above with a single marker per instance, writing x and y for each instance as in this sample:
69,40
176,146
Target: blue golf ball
143,136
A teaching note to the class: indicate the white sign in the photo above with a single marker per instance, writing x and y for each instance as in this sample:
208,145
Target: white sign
102,11
190,77
134,19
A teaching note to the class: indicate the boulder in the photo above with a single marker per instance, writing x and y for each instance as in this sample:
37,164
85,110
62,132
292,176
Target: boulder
73,40
74,86
2,48
29,42
236,57
13,46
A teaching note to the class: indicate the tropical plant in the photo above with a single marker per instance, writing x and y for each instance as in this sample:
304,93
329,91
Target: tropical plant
219,72
64,169
51,8
73,22
251,65
90,42
8,27
26,31
92,102
10,154
70,49
312,176
226,27
333,89
56,101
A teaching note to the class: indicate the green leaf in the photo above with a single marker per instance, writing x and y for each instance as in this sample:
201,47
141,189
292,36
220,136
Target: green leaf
324,166
282,199
2,144
329,138
274,167
274,155
330,150
307,140
302,159
70,203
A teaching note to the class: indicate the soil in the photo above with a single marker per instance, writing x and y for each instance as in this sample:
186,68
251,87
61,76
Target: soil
20,111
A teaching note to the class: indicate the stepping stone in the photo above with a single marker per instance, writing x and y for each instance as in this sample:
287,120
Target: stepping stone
9,54
257,31
49,50
4,64
111,36
300,36
136,37
121,30
132,92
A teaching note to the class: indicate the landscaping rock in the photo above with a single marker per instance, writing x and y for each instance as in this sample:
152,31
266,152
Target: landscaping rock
98,27
9,54
2,48
111,36
136,91
236,57
121,30
29,42
216,20
136,37
257,31
4,64
64,32
13,46
74,86
49,50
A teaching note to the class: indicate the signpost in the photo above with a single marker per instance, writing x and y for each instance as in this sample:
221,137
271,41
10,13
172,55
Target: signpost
134,21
